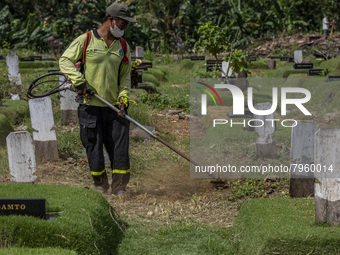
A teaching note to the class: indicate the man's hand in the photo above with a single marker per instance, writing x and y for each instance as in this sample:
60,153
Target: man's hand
82,91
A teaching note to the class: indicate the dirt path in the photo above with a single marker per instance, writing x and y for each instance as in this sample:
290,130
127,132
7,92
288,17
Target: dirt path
164,195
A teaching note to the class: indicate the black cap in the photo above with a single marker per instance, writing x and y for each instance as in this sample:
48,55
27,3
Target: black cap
119,11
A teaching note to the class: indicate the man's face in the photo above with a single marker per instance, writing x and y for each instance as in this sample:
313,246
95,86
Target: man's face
121,23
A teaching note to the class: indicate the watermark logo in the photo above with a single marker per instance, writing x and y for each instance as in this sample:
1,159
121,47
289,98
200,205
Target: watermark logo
238,99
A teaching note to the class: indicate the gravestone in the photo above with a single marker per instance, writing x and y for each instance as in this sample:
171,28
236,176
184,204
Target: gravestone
327,191
35,207
271,64
68,105
301,183
45,140
225,66
265,141
139,52
12,63
298,57
21,158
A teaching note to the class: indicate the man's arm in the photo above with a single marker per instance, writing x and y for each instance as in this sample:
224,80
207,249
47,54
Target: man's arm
67,62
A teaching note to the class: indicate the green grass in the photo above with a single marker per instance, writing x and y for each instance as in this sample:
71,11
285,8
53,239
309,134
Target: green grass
15,111
41,251
283,226
84,223
183,238
148,77
39,64
5,129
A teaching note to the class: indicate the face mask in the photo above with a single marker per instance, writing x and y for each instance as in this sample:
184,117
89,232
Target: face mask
116,32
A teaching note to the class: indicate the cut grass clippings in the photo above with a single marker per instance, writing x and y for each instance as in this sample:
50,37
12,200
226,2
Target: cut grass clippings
84,224
283,226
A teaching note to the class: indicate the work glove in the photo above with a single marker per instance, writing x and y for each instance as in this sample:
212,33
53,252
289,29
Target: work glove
123,104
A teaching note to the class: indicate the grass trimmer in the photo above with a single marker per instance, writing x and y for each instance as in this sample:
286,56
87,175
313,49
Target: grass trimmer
48,84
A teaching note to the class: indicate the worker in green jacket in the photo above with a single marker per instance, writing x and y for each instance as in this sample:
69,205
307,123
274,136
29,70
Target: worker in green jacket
106,70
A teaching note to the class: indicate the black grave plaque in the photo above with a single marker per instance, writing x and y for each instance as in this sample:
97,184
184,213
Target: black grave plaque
303,66
36,57
197,57
23,206
314,72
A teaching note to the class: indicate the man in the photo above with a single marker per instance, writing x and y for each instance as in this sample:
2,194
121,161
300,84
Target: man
325,26
107,74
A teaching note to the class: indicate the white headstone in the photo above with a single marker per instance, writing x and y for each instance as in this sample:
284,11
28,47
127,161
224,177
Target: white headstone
21,157
139,52
327,163
68,105
266,141
42,120
225,66
12,63
298,57
302,152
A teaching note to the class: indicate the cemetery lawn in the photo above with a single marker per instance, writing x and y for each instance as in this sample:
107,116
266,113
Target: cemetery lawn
166,212
283,226
84,221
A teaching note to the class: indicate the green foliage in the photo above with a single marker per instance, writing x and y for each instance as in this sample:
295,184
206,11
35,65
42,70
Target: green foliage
212,39
15,111
149,55
167,59
201,72
69,144
239,62
252,188
148,77
161,102
187,64
84,223
38,64
158,73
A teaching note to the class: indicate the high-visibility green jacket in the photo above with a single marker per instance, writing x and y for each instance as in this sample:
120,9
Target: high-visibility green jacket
101,70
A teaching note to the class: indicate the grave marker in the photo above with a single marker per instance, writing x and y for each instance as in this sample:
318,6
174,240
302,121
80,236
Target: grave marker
333,78
68,105
12,63
36,57
314,72
302,153
45,140
303,66
197,57
298,57
327,191
266,141
139,52
21,158
225,66
271,64
35,207
252,58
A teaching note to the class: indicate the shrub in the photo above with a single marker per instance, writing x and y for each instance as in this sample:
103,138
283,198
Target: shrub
159,74
148,77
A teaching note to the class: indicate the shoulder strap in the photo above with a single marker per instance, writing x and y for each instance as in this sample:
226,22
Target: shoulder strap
124,46
87,42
